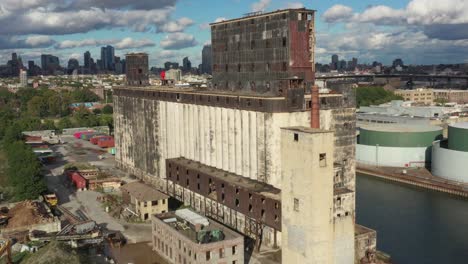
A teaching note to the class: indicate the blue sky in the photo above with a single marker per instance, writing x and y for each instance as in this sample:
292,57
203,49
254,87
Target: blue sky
419,31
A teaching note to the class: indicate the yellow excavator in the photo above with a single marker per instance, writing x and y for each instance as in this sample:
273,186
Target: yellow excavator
6,248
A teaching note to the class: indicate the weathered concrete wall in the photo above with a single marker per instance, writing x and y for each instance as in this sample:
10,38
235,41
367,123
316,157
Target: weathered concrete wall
147,132
307,196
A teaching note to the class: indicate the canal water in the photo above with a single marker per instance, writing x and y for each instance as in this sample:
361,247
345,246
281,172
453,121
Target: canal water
414,225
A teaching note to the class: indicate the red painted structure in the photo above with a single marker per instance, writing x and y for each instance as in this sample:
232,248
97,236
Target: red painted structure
95,140
106,143
78,181
315,109
78,134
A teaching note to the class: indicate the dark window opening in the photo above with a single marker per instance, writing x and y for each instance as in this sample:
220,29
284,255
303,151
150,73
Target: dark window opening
284,42
323,159
263,214
237,190
296,204
226,68
296,137
250,208
267,67
238,67
284,66
237,202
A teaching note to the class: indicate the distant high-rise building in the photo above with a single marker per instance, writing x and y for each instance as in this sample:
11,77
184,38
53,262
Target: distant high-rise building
187,64
23,78
342,65
397,62
49,63
73,64
170,65
107,58
87,60
31,65
206,60
334,62
137,69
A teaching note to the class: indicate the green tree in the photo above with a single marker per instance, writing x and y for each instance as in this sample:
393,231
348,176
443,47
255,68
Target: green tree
374,95
107,109
82,95
48,125
64,123
38,106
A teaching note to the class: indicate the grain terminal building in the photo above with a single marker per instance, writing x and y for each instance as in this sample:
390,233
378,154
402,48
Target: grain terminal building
221,150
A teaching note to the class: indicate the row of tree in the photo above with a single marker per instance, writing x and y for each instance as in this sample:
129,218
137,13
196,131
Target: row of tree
40,109
371,95
24,169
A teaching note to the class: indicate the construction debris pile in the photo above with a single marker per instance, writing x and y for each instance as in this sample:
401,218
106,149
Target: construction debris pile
28,213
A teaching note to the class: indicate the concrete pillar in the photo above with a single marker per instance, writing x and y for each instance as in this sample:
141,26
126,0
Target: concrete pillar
231,140
245,144
253,144
238,143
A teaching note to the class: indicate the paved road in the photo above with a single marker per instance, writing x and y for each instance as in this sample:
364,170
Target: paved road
86,201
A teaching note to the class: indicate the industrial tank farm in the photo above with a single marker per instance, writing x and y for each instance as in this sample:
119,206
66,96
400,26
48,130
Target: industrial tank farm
396,145
450,156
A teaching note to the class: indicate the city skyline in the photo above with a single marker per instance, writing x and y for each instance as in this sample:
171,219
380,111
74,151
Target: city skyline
420,31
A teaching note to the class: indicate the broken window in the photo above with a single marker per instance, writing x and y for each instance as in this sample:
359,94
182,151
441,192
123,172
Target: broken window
323,159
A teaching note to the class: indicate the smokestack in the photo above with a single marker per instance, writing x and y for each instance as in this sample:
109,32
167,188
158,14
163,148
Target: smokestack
315,109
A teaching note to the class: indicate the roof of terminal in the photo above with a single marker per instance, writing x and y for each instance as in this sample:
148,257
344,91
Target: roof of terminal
261,14
463,125
401,128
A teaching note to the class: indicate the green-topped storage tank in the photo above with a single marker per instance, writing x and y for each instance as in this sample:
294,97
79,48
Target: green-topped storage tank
458,137
398,135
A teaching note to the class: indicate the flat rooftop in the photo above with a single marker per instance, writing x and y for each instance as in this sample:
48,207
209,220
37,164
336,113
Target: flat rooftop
184,227
195,91
237,180
143,192
463,125
307,130
261,14
401,128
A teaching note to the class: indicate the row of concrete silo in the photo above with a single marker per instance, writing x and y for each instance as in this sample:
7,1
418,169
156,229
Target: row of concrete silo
394,145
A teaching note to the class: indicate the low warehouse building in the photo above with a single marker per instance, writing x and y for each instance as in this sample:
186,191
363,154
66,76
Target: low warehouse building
144,199
450,157
394,145
184,236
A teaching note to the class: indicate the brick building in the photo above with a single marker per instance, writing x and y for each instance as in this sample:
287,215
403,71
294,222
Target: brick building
186,237
264,53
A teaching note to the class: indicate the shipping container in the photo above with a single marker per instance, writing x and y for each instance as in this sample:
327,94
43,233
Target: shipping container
78,181
78,134
94,140
106,143
88,136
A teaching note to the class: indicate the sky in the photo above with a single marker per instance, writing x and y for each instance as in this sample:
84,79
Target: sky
418,31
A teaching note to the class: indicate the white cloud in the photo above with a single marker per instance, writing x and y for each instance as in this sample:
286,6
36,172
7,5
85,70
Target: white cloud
126,43
260,5
129,43
220,19
176,41
176,26
338,13
294,5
